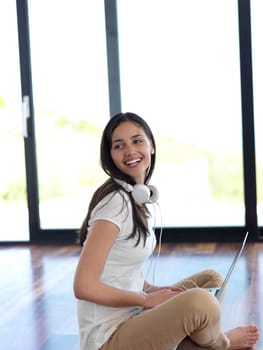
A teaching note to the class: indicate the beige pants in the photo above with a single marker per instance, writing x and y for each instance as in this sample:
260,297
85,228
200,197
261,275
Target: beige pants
194,313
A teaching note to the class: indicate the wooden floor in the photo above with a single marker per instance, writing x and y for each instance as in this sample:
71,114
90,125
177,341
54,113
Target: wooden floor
38,309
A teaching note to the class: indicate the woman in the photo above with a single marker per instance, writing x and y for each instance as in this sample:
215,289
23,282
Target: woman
117,308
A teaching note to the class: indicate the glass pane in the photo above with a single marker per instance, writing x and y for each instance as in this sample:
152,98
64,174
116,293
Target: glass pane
257,55
179,63
13,200
70,87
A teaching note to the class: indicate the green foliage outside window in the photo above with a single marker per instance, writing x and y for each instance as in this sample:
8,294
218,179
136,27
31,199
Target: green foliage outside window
67,160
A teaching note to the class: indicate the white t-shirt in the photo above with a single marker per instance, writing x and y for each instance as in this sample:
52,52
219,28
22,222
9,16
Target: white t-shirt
123,269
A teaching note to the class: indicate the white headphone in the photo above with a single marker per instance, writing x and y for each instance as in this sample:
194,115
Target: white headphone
141,193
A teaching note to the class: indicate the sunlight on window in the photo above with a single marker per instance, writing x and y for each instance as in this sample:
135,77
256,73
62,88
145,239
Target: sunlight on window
257,56
179,63
13,198
70,86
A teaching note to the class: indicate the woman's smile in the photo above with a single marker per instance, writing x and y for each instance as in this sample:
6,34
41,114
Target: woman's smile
132,162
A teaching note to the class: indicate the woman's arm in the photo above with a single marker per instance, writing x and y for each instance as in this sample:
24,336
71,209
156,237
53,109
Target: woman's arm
87,284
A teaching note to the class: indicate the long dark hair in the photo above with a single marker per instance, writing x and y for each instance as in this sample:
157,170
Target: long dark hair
140,213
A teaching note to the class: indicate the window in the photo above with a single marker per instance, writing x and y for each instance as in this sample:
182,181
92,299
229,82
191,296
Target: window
179,67
70,88
257,56
13,198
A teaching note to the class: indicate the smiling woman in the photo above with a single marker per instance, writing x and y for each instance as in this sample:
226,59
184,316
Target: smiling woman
117,306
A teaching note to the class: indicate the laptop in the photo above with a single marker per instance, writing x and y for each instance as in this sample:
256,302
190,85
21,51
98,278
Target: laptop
218,291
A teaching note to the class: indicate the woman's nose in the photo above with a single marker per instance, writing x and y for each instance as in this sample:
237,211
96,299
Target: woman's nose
129,149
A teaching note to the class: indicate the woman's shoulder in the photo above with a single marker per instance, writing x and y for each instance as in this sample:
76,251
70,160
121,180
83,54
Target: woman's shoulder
115,201
113,207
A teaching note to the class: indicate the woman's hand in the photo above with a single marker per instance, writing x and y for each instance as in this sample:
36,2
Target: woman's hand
178,289
153,299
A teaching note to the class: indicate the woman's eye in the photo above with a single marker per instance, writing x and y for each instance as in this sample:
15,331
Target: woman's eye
117,146
138,141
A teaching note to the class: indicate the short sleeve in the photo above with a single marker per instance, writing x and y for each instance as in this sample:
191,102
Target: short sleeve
114,207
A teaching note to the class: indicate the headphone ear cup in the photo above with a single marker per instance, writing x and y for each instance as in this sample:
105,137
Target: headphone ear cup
154,194
141,193
145,194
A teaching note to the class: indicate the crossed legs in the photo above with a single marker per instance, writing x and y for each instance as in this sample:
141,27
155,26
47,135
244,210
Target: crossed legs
190,320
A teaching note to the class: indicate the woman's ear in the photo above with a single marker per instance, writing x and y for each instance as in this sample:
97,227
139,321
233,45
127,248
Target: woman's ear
152,148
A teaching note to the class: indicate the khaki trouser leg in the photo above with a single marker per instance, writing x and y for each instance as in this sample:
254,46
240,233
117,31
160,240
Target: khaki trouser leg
204,279
194,313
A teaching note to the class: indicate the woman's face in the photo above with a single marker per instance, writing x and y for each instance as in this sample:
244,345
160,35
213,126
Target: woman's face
131,150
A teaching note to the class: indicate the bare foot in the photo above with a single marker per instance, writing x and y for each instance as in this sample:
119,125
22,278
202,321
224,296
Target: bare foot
242,337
